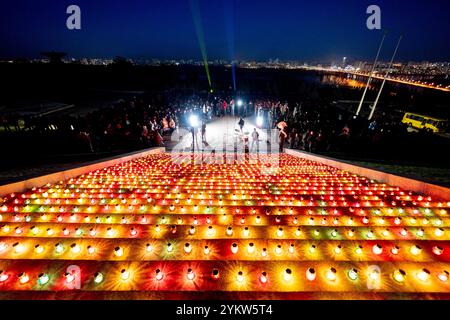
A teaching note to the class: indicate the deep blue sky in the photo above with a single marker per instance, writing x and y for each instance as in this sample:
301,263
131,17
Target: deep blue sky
245,29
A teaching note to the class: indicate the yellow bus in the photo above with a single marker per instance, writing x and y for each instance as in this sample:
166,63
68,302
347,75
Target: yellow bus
425,122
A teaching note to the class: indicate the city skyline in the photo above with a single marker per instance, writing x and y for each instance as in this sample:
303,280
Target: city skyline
226,29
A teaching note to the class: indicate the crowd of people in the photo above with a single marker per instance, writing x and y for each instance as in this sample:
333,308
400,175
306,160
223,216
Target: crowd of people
139,122
144,121
322,127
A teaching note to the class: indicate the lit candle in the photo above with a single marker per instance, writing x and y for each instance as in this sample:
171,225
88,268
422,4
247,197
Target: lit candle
240,276
215,274
3,276
399,275
124,274
38,249
423,275
98,277
415,250
23,278
118,251
331,274
395,250
443,276
91,249
263,277
438,250
59,248
353,274
190,274
75,248
234,248
377,249
311,274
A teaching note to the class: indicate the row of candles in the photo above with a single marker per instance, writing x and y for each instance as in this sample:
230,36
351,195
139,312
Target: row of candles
219,249
364,278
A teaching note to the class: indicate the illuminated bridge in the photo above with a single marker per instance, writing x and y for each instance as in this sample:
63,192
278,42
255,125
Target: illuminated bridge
165,226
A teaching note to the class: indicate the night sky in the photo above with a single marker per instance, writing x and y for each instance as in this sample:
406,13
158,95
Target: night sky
321,30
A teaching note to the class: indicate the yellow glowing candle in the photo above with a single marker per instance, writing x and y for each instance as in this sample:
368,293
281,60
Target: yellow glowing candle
331,274
415,250
234,248
263,277
311,274
443,276
377,249
399,275
287,275
423,275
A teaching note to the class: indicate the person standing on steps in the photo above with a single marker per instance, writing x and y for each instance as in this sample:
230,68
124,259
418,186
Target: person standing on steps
241,123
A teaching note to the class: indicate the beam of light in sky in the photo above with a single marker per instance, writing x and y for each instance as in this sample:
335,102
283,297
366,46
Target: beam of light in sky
195,10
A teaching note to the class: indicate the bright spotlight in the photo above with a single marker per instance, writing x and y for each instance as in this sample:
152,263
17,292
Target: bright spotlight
193,120
239,103
259,121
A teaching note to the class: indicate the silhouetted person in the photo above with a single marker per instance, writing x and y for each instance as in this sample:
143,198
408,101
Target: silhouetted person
241,123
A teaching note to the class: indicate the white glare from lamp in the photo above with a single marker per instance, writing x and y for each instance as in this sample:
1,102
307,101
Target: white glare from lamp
193,121
239,103
259,121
